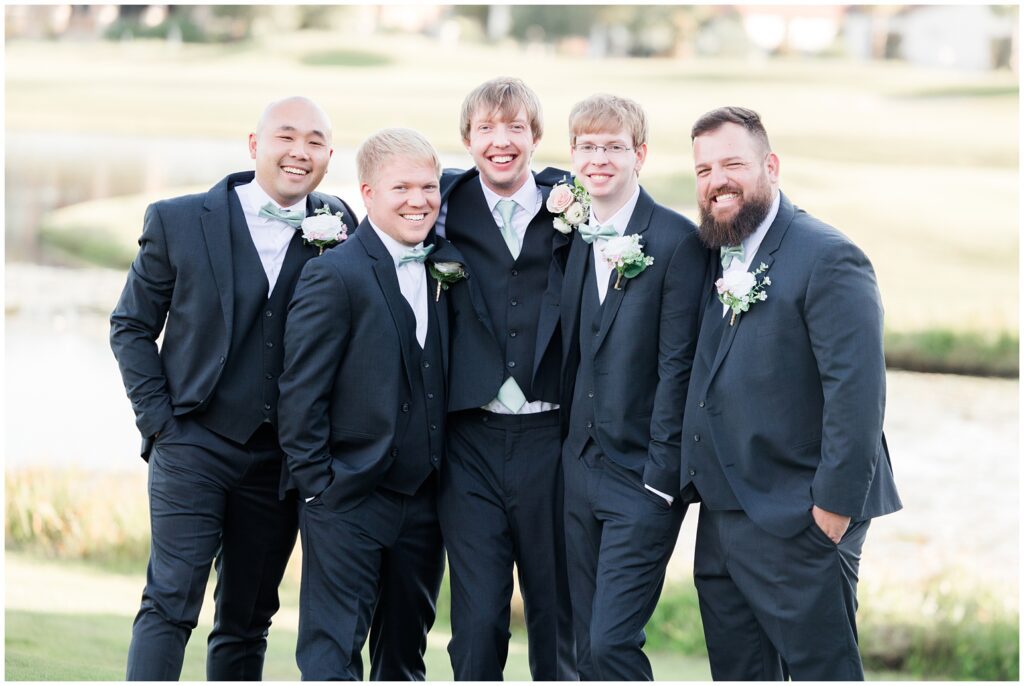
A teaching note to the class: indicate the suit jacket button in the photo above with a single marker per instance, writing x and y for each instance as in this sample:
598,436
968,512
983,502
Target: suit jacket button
430,396
514,302
394,452
433,427
696,438
590,394
513,334
700,403
590,425
270,344
266,406
693,472
426,364
433,458
511,364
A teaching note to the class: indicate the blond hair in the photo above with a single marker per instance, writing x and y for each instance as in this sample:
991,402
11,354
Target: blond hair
603,113
503,96
394,142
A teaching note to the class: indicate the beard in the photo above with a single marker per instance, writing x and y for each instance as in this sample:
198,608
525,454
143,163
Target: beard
716,234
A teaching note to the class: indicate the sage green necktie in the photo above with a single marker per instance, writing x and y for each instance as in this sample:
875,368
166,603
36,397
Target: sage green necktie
591,233
506,208
730,253
415,255
292,218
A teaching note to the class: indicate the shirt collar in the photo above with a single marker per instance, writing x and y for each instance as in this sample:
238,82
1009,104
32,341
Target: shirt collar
394,248
620,220
525,197
252,197
752,242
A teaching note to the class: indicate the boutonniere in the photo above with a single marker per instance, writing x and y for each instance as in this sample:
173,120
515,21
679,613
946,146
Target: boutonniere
323,229
626,256
446,273
571,204
739,290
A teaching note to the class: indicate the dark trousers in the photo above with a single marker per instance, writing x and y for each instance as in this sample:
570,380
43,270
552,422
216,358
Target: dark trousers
770,603
501,503
619,538
372,570
211,497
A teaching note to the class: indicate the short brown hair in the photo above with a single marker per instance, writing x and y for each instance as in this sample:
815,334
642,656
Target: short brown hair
395,142
603,113
748,119
504,96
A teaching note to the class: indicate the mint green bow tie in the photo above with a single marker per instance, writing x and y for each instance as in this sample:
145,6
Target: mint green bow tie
591,233
292,218
415,255
730,253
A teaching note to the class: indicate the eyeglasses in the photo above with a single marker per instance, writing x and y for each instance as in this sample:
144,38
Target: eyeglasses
588,149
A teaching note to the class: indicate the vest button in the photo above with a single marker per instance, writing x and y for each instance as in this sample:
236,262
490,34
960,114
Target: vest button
515,272
430,396
433,427
269,313
405,407
700,403
426,364
394,452
268,376
270,344
590,425
433,458
511,364
693,472
514,302
696,438
513,334
590,394
266,406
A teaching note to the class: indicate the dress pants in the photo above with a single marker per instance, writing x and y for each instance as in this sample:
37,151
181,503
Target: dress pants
619,537
211,497
772,604
376,570
501,503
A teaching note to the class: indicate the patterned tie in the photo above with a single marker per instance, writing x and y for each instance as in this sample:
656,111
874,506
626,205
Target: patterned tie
415,255
730,253
506,208
292,218
591,233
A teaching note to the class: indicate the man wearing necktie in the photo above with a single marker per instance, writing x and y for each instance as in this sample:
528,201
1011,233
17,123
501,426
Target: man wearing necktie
782,434
627,352
362,422
214,273
501,490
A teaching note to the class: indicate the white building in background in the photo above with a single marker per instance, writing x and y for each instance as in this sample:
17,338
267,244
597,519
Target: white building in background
963,37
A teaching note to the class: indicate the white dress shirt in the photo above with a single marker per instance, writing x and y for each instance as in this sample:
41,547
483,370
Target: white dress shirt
412,280
270,236
619,221
751,244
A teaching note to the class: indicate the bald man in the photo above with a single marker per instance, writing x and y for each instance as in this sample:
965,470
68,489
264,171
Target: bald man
215,272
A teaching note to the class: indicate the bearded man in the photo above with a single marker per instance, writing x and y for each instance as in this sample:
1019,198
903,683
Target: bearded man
782,429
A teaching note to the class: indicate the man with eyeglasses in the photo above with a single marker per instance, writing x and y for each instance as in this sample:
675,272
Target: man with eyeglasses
628,343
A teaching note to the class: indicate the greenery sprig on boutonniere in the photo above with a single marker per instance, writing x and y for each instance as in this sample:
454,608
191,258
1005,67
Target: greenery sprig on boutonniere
446,273
739,290
571,204
625,254
323,229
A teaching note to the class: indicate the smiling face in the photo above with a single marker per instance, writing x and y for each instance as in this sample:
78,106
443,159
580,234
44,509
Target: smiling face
736,182
502,149
291,146
609,176
403,197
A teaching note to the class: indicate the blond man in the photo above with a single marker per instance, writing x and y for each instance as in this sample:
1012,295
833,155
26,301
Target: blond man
362,422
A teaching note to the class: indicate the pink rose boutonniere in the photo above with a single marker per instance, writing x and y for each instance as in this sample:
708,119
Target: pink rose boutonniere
571,204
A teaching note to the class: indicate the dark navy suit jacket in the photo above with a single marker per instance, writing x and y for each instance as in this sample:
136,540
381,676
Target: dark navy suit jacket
182,275
794,391
347,370
645,344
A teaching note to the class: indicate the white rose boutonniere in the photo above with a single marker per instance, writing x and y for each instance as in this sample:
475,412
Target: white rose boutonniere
571,204
739,290
625,254
446,273
324,229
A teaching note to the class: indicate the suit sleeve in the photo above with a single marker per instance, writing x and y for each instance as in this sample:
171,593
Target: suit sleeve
136,323
314,344
843,313
677,343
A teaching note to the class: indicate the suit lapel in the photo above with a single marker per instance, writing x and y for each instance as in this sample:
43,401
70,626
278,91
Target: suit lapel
387,279
444,252
765,254
639,222
216,223
572,292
